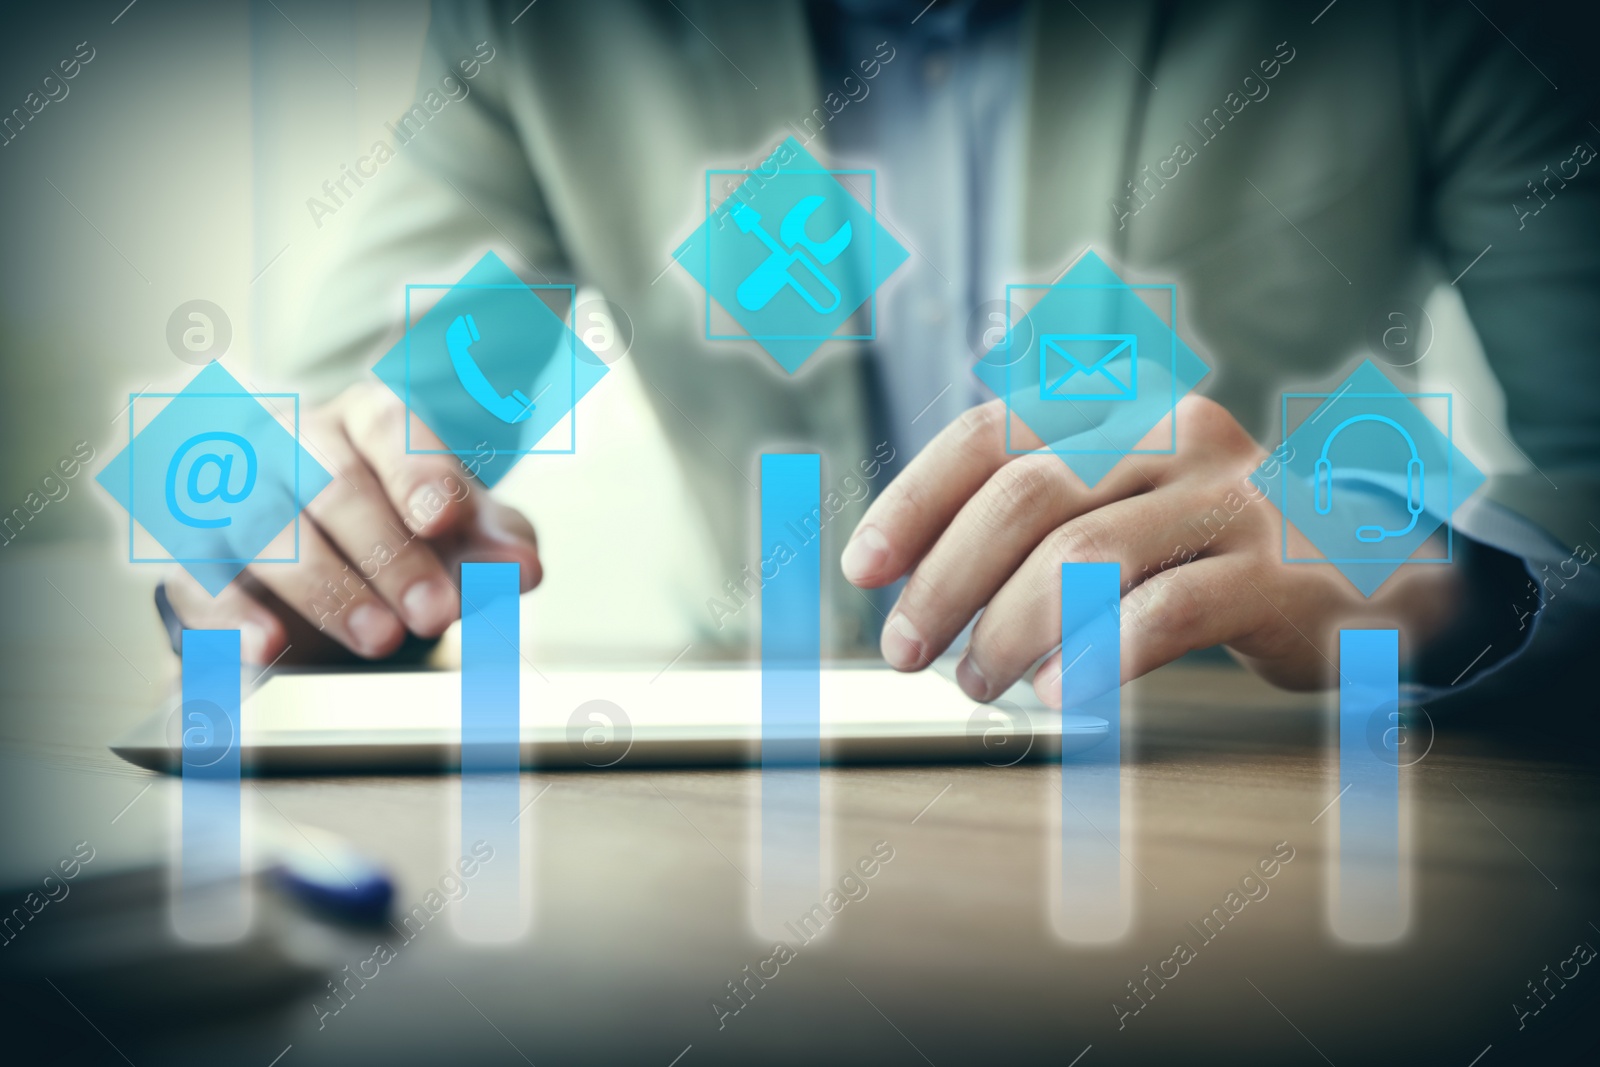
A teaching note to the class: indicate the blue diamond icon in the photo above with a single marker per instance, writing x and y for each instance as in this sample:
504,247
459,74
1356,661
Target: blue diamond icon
214,477
792,255
1367,478
1090,368
490,372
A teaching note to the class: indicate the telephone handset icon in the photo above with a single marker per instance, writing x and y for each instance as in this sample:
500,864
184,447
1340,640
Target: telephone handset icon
459,338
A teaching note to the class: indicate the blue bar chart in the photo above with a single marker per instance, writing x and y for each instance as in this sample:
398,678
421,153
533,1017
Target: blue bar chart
491,713
1369,905
791,659
1093,900
210,903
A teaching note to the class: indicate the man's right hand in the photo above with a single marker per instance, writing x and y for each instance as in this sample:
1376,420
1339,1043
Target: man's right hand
380,548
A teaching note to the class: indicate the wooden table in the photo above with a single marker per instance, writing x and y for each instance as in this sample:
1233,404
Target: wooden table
641,897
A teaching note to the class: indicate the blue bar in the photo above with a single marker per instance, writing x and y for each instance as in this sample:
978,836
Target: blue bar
791,610
210,904
791,703
1092,901
491,718
491,708
1369,765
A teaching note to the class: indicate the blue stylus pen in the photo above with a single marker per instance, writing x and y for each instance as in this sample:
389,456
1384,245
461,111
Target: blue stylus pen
327,874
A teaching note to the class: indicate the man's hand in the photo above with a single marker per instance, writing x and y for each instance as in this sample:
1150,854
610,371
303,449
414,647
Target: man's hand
380,548
1199,549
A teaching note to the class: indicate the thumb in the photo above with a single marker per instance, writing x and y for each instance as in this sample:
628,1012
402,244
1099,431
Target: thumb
495,533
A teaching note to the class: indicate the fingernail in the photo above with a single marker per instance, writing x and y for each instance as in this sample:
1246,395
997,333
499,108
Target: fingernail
252,642
902,644
971,679
373,629
424,505
494,525
865,555
429,606
1049,687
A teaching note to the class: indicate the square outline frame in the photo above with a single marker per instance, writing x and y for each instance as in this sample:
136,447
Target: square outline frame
572,377
1133,377
1172,374
299,448
1449,474
872,293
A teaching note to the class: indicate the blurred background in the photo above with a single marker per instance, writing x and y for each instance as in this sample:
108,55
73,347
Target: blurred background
178,167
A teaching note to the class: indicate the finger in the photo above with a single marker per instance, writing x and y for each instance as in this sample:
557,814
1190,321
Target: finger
1199,605
988,540
261,635
914,510
909,515
430,491
329,592
1023,620
354,513
497,534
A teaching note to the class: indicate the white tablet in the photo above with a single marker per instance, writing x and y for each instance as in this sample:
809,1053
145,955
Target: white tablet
384,720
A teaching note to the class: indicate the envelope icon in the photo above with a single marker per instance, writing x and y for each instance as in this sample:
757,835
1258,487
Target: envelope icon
1088,366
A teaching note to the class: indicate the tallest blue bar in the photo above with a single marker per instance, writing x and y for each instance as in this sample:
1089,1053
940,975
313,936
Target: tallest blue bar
791,610
791,692
490,676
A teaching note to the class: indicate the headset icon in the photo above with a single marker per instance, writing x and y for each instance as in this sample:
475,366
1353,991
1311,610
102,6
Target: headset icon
1414,485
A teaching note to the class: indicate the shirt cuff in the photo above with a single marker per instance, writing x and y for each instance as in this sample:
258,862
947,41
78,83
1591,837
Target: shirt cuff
1487,523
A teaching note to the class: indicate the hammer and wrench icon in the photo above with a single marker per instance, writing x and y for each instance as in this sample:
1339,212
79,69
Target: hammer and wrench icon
774,273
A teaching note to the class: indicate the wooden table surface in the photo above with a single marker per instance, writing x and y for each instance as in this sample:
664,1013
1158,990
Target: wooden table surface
641,902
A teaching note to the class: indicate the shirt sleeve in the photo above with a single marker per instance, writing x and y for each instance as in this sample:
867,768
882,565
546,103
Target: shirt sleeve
1512,188
1534,625
1512,207
453,179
